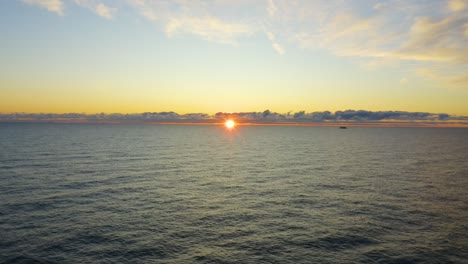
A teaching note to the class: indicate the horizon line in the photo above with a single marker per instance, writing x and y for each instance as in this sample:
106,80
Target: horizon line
388,124
265,118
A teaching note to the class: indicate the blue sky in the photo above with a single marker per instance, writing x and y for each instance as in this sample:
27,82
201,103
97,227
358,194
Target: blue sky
225,55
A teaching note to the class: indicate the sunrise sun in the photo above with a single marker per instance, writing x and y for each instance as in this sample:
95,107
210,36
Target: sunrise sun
229,124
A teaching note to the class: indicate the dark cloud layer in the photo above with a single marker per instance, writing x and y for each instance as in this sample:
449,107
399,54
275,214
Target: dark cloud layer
340,116
266,116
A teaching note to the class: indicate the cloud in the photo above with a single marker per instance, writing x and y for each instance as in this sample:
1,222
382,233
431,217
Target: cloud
451,78
196,18
347,115
97,7
103,117
267,116
209,28
457,5
271,8
345,34
55,6
276,46
105,11
407,33
460,81
436,40
380,5
393,33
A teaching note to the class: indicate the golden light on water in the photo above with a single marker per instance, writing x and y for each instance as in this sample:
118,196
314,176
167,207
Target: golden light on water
229,124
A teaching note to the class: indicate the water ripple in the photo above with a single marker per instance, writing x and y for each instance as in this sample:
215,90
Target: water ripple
196,194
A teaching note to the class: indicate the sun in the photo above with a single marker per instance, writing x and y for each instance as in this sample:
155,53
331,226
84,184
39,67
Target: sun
229,124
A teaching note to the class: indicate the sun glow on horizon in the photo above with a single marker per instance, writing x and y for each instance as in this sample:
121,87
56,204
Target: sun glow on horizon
230,124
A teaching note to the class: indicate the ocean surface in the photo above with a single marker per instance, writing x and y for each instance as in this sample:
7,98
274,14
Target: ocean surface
82,193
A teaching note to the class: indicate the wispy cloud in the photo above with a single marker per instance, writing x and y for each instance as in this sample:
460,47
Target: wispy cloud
55,6
276,46
436,40
209,28
271,8
404,81
432,33
451,78
105,11
98,7
345,35
380,5
396,32
192,17
457,5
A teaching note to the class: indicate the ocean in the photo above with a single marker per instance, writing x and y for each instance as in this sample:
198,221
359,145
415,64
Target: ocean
92,193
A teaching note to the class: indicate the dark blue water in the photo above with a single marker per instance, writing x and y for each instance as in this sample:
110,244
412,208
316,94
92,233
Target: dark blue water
200,194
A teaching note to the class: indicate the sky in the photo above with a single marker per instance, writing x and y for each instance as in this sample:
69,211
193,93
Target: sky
134,56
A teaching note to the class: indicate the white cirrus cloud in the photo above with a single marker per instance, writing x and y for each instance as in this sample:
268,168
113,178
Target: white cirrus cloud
413,33
436,40
398,32
380,5
209,28
271,8
105,11
451,78
213,22
276,46
98,7
55,6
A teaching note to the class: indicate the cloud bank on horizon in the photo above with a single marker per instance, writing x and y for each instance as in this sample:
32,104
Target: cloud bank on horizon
430,36
266,117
